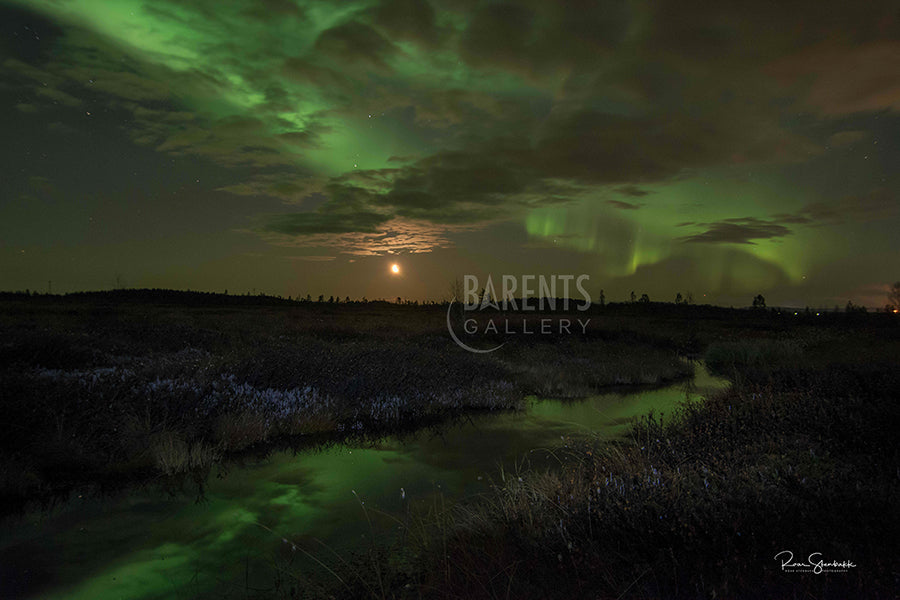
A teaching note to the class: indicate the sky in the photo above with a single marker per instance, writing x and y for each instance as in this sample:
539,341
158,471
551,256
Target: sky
718,148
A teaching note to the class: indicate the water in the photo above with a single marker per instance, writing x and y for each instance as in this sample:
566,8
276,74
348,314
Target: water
145,544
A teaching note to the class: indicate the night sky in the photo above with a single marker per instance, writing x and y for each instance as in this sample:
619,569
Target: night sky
723,148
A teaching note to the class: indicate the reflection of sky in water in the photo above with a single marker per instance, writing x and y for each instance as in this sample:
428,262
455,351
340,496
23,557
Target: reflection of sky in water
147,546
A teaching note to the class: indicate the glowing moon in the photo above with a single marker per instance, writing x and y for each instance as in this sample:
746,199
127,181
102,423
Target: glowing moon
395,269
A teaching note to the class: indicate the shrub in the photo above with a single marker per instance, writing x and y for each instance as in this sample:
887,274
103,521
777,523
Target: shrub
727,358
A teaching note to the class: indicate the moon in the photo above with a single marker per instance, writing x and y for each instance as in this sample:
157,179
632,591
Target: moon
395,269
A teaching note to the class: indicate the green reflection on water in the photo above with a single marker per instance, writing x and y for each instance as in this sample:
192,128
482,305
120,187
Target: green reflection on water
144,546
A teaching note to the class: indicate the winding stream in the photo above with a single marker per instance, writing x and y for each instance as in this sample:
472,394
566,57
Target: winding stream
145,545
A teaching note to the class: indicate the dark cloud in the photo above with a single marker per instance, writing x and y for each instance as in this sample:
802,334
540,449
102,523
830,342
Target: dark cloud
354,44
632,191
594,147
791,219
846,138
301,139
303,70
395,236
839,79
585,148
17,68
623,205
536,38
412,20
289,187
326,222
738,231
57,96
122,84
346,210
880,203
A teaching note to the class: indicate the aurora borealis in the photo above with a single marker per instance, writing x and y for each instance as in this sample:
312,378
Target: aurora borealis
290,147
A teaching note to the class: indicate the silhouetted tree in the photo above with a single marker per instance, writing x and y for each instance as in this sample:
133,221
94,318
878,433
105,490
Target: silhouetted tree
645,299
678,298
633,296
690,298
759,301
321,297
894,295
854,308
455,291
331,299
602,298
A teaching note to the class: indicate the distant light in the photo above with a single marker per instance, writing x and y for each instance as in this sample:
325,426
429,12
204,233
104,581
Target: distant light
897,310
395,269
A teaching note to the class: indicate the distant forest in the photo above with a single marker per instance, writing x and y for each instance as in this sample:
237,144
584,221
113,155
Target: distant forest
195,298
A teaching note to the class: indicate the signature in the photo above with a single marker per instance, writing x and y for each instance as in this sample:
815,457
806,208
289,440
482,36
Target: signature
814,563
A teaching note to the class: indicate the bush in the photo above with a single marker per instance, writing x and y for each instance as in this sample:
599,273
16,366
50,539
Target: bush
727,358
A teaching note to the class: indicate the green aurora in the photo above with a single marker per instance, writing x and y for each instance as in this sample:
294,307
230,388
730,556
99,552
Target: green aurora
289,147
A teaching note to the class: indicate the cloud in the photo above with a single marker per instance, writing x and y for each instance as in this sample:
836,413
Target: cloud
356,44
57,96
632,191
623,205
395,236
287,186
846,138
838,79
346,211
880,203
738,231
876,205
496,109
536,38
326,222
312,258
411,20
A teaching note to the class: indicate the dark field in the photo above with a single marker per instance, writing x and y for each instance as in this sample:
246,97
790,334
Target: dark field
107,390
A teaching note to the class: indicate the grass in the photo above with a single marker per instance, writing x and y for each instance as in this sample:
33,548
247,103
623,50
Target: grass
797,455
759,355
107,392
